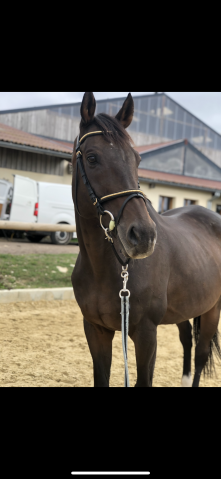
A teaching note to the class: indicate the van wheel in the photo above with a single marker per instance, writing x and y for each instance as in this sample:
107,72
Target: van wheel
35,238
61,237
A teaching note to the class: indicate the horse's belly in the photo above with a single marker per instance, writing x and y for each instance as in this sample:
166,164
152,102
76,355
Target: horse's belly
191,295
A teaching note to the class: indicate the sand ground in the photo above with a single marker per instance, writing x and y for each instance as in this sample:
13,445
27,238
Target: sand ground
43,344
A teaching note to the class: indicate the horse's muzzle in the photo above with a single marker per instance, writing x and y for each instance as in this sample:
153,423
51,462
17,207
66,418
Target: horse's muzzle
138,240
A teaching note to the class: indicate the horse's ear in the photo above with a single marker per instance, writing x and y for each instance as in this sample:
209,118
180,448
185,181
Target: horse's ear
125,115
88,107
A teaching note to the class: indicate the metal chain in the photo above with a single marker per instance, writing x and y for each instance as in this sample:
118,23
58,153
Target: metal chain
125,319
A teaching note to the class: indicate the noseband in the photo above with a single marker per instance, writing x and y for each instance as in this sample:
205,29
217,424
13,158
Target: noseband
98,202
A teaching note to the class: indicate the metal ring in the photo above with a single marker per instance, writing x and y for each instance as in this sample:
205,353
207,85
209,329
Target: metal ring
110,214
124,291
124,273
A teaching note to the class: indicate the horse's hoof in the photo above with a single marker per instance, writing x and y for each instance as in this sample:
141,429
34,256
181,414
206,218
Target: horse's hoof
186,381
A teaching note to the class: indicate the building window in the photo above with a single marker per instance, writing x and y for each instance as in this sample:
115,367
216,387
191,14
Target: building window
165,204
189,202
218,209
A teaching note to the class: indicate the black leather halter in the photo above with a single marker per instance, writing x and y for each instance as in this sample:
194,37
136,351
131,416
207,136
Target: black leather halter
98,202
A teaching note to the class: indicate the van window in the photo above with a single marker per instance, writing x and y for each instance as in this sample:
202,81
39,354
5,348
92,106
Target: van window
3,188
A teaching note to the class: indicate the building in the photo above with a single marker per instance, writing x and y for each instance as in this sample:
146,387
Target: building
171,174
176,174
28,155
157,119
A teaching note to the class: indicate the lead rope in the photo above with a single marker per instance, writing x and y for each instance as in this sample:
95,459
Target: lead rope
125,306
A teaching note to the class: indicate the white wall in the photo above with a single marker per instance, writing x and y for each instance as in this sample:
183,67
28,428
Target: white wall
7,174
178,195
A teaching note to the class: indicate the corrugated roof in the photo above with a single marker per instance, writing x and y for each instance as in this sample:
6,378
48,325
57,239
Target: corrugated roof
13,135
156,146
181,179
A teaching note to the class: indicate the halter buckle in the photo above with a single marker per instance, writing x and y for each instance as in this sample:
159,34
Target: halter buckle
108,237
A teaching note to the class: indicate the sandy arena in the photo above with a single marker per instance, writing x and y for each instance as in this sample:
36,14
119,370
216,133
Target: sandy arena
43,344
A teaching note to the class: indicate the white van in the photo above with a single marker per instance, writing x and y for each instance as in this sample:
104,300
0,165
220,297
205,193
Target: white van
35,201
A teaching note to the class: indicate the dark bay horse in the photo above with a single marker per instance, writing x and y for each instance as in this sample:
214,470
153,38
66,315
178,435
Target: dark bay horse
175,258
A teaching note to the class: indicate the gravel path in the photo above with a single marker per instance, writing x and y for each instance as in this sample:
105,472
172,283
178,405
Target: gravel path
25,247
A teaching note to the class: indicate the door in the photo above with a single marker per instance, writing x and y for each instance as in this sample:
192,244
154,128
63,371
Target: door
24,199
3,194
5,197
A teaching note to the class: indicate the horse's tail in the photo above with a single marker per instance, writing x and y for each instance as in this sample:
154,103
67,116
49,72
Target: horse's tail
214,347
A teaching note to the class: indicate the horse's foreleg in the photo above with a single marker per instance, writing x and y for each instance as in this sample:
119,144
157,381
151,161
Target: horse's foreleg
100,344
144,337
185,332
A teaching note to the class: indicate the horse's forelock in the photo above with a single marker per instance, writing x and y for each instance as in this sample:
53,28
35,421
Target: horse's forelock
112,128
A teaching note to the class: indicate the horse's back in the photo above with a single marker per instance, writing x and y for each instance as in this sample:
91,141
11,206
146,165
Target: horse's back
195,216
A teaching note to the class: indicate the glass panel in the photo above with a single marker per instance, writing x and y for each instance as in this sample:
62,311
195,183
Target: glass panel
189,202
170,161
188,127
2,190
66,110
77,111
170,130
152,114
179,131
101,107
197,136
113,108
210,140
180,114
54,109
169,109
198,167
135,125
143,115
165,204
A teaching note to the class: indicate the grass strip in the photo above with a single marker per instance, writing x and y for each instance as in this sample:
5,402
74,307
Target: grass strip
36,271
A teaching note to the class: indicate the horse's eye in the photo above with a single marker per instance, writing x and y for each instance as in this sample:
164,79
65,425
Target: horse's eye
91,159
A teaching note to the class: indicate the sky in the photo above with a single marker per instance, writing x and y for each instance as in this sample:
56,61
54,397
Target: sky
204,105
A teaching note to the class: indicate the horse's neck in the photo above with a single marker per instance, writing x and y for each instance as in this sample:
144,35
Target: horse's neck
96,253
154,215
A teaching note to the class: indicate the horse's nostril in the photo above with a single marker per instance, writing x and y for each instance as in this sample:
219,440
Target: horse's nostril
133,236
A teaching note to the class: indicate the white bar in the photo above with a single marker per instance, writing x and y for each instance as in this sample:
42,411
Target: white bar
111,473
16,225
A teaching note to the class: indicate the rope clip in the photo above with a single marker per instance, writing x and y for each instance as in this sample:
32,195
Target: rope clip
124,275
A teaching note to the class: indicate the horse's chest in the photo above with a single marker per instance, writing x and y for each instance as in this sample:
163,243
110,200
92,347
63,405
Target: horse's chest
99,303
102,309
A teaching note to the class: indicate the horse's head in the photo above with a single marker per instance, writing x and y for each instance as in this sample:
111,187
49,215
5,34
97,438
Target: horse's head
111,166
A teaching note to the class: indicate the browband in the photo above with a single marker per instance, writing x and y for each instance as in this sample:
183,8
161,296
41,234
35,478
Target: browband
120,194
